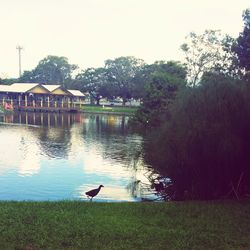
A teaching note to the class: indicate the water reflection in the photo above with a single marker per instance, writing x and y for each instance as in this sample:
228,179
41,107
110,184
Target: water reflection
17,153
50,156
42,119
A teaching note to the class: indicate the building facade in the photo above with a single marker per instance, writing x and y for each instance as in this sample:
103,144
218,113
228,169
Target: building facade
40,97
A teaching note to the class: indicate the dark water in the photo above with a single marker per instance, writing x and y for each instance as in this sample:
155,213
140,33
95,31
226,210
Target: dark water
61,156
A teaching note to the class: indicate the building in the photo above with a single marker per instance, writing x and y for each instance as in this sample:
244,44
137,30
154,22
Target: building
40,97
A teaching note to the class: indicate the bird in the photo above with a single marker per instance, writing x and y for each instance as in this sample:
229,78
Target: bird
92,193
158,187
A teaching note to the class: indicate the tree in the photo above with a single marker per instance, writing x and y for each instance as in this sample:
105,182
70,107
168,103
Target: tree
50,70
28,76
120,73
94,81
144,76
206,52
162,82
8,81
242,46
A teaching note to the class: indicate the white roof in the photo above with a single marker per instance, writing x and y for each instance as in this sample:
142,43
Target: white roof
51,87
21,87
4,88
25,87
76,92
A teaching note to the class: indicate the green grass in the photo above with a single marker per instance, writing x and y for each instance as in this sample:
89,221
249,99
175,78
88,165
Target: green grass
82,225
106,109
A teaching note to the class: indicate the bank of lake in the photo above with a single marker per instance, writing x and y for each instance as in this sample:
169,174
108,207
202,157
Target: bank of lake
91,225
102,109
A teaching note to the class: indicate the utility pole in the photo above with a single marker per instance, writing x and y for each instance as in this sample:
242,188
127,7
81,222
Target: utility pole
19,48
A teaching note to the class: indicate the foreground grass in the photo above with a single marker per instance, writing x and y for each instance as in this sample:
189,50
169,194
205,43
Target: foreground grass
105,109
79,225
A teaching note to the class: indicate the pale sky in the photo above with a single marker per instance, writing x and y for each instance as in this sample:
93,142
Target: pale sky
88,32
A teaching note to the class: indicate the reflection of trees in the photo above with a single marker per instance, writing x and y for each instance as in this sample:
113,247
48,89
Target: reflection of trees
102,139
53,135
99,124
54,142
112,135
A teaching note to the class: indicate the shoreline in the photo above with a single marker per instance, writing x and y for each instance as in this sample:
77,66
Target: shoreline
106,113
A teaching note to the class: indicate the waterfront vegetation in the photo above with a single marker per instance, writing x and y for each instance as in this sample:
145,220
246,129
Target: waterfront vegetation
78,225
198,123
204,144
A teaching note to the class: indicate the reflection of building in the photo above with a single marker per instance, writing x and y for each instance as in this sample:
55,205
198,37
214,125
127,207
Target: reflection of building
40,97
43,119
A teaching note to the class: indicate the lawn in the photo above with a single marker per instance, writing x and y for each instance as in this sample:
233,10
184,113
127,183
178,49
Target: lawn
109,109
90,225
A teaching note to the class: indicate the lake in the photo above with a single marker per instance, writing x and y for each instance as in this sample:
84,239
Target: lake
51,156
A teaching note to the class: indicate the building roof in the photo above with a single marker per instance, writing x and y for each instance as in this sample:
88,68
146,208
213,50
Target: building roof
39,88
4,88
56,89
51,88
22,87
76,92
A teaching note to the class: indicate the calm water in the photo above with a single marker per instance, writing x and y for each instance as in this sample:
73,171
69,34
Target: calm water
61,156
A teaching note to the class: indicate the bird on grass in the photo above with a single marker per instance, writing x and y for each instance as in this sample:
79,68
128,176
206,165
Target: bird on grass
92,193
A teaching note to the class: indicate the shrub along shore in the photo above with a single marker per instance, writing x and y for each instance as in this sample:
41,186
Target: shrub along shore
90,225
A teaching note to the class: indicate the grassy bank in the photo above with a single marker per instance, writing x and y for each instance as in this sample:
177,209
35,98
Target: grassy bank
78,225
109,109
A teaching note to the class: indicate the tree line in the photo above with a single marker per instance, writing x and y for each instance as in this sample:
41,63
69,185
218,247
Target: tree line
115,79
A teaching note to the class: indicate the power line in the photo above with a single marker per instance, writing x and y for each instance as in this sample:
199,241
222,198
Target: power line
19,48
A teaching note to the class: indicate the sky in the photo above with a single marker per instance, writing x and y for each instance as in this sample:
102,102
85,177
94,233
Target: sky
88,32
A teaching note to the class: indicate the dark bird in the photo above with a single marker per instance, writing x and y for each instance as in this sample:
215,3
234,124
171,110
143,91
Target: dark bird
92,193
158,187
